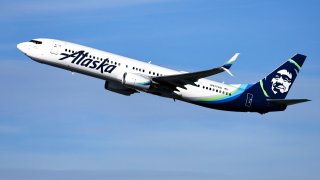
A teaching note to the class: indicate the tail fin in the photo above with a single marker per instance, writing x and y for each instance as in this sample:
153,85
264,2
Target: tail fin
278,83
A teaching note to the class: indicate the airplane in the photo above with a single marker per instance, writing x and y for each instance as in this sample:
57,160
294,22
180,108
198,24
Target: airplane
127,76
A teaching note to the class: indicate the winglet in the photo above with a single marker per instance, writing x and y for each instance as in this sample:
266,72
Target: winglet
227,70
229,63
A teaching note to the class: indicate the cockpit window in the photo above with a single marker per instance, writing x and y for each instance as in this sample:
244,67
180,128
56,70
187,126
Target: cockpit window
36,41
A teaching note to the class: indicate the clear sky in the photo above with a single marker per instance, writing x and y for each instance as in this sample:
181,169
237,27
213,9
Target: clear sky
55,125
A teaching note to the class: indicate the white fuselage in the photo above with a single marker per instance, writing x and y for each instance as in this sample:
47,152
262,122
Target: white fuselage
127,76
50,50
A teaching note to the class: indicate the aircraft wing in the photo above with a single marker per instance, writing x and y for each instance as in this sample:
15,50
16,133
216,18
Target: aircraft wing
179,80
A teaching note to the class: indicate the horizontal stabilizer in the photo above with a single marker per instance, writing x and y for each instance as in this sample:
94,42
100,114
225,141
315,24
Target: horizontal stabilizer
287,102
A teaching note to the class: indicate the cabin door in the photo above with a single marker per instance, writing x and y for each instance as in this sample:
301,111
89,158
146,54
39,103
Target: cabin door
55,48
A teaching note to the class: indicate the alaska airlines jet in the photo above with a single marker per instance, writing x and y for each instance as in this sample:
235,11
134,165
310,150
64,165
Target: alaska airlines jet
128,76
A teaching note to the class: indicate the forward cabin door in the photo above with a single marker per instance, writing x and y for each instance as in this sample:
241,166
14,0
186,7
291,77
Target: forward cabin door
56,46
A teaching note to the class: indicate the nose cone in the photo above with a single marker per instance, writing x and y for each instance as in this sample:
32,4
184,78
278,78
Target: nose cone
23,47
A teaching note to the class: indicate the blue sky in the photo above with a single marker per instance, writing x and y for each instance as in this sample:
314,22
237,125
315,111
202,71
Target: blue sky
55,125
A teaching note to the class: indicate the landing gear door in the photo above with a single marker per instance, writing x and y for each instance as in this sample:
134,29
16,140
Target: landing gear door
56,46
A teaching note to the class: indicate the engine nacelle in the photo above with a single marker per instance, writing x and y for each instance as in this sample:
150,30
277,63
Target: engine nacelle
117,87
136,81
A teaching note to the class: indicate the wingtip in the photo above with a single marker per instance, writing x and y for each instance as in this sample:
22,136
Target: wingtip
227,70
233,58
229,63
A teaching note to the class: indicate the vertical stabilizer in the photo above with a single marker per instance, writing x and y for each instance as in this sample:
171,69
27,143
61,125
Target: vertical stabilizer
278,83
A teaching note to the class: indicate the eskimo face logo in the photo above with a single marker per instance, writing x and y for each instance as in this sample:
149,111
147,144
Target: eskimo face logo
281,81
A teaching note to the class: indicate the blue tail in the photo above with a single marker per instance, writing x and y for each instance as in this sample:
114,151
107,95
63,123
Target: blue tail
266,95
278,83
270,92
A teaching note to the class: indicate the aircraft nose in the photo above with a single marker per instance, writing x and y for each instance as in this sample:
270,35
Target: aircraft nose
23,47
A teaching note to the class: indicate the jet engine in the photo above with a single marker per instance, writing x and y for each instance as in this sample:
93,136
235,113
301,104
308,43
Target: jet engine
117,87
136,81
